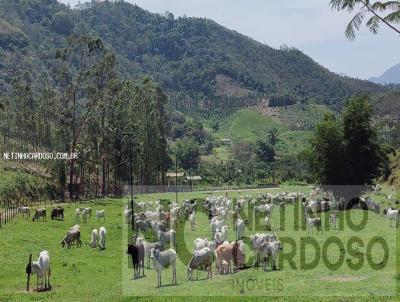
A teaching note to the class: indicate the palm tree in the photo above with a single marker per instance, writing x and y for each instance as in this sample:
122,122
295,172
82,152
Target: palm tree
378,12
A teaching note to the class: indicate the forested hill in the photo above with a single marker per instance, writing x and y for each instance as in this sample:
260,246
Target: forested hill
195,60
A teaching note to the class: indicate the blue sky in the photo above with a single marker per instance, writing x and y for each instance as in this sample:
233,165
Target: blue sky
309,25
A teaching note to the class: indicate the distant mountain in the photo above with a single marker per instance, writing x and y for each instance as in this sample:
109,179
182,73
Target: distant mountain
200,63
391,76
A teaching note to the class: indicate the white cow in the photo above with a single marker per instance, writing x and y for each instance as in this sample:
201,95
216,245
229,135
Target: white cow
202,243
240,226
164,259
42,270
101,214
192,219
392,215
102,238
77,215
85,214
94,238
26,211
128,214
269,253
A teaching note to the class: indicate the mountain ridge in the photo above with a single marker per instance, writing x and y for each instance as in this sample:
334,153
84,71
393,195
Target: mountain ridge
390,76
187,56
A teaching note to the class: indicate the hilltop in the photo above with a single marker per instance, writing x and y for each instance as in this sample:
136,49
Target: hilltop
200,63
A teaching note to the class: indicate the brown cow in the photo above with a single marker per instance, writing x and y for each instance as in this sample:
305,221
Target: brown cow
229,252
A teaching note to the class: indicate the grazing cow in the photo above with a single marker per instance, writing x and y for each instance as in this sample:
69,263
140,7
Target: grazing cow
73,235
137,254
77,215
164,259
192,221
42,270
26,211
94,238
332,220
76,227
314,222
101,214
202,258
202,243
102,238
372,205
393,215
257,240
164,237
57,213
240,226
39,213
269,252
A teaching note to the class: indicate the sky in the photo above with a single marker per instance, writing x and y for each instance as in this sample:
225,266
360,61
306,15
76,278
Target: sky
309,25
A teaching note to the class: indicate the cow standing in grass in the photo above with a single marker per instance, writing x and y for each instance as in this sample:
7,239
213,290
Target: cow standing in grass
162,260
26,211
42,270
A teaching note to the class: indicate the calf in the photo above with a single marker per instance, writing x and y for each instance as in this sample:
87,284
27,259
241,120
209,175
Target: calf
39,213
162,260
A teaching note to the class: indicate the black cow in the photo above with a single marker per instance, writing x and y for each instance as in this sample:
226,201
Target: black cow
137,254
57,213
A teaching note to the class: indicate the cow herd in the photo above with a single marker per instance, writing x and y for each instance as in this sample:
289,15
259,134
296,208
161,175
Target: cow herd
215,250
41,268
155,243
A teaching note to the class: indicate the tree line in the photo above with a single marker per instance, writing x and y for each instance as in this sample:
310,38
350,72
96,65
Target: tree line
91,110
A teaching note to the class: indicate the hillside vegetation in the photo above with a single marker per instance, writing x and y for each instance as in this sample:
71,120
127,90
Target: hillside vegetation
200,63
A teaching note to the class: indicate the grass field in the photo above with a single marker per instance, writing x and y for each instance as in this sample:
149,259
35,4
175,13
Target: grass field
249,125
87,274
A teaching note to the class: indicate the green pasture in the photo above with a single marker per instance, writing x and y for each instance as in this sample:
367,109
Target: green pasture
87,274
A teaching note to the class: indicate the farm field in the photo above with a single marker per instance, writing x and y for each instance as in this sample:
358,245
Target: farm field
87,274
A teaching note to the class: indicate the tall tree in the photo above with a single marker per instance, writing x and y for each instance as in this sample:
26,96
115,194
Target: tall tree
327,151
377,12
365,157
78,60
